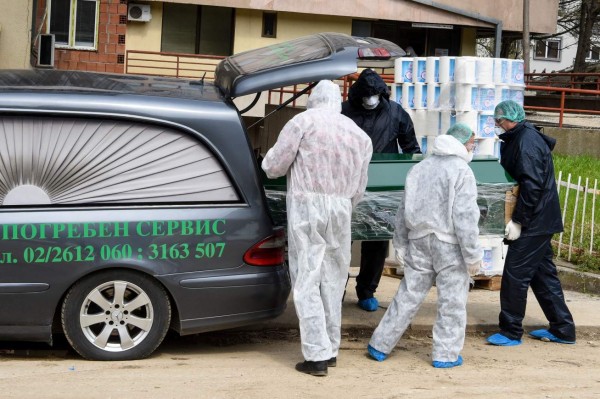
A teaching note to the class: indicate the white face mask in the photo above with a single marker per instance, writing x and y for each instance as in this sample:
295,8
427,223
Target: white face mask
469,156
498,130
371,102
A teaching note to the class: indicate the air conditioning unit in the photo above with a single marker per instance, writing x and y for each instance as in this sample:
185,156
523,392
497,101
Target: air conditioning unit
45,57
139,12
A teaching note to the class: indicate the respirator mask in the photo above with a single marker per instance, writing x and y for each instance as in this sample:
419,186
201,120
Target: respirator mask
370,102
498,130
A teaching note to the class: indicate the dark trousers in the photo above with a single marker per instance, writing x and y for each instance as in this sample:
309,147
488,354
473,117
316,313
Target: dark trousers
372,260
529,263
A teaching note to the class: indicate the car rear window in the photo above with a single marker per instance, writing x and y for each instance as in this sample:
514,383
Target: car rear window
62,161
295,51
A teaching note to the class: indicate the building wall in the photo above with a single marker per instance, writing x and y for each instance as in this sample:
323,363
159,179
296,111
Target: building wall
575,141
468,45
510,12
15,34
145,36
110,53
248,27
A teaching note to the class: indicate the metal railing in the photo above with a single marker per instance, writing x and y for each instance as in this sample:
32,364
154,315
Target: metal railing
567,85
586,81
192,66
561,107
279,95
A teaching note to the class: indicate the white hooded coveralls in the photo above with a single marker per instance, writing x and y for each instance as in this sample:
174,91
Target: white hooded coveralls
326,157
437,225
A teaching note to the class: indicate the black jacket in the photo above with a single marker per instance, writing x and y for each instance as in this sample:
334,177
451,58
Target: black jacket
526,154
388,125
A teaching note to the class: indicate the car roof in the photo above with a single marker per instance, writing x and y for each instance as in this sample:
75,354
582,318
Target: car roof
60,81
190,103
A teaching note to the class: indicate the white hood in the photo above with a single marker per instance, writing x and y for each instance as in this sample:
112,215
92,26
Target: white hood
447,145
325,95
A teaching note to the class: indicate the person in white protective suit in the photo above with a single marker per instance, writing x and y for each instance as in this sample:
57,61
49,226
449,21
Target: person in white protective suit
326,158
436,238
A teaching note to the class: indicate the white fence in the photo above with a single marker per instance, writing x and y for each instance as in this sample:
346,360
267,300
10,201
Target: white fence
579,217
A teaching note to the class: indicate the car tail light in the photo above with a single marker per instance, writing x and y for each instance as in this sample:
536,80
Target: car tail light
377,53
268,252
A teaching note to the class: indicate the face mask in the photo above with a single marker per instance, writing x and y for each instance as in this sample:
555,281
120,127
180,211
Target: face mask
469,156
371,102
498,130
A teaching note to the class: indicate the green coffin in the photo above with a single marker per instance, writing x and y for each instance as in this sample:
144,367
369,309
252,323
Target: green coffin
373,218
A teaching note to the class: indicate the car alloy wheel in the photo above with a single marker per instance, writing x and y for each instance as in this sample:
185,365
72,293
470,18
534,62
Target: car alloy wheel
116,316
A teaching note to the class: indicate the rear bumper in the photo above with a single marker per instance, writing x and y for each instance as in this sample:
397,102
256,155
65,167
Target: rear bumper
195,326
208,303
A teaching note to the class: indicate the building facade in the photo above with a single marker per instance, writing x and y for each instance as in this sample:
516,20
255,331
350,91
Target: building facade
104,35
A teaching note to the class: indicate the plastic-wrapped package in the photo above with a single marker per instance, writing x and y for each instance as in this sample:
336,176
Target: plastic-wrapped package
373,218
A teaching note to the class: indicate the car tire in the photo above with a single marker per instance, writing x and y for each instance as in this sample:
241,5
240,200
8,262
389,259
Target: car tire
116,315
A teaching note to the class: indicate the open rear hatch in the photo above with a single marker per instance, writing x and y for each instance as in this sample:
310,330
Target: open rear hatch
306,59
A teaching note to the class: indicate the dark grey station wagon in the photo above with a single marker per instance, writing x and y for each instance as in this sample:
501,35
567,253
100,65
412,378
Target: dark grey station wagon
131,204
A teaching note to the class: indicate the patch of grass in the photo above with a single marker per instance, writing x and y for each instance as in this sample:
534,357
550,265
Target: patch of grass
582,165
587,263
586,167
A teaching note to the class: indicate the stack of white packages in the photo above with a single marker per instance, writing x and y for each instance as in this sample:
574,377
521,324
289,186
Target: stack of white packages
438,92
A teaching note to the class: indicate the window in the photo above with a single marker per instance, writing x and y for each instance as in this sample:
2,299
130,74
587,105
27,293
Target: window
361,28
547,50
269,24
74,23
594,54
192,29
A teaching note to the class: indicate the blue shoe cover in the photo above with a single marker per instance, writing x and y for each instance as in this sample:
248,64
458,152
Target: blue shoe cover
547,336
375,354
369,304
501,340
448,365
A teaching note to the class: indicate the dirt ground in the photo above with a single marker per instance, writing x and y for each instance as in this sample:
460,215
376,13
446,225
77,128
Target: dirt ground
259,365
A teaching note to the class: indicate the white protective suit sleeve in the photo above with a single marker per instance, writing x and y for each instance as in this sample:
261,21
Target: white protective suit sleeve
465,216
280,157
400,239
362,185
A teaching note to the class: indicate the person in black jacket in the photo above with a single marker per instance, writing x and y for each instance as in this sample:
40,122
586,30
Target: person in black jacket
526,155
390,129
